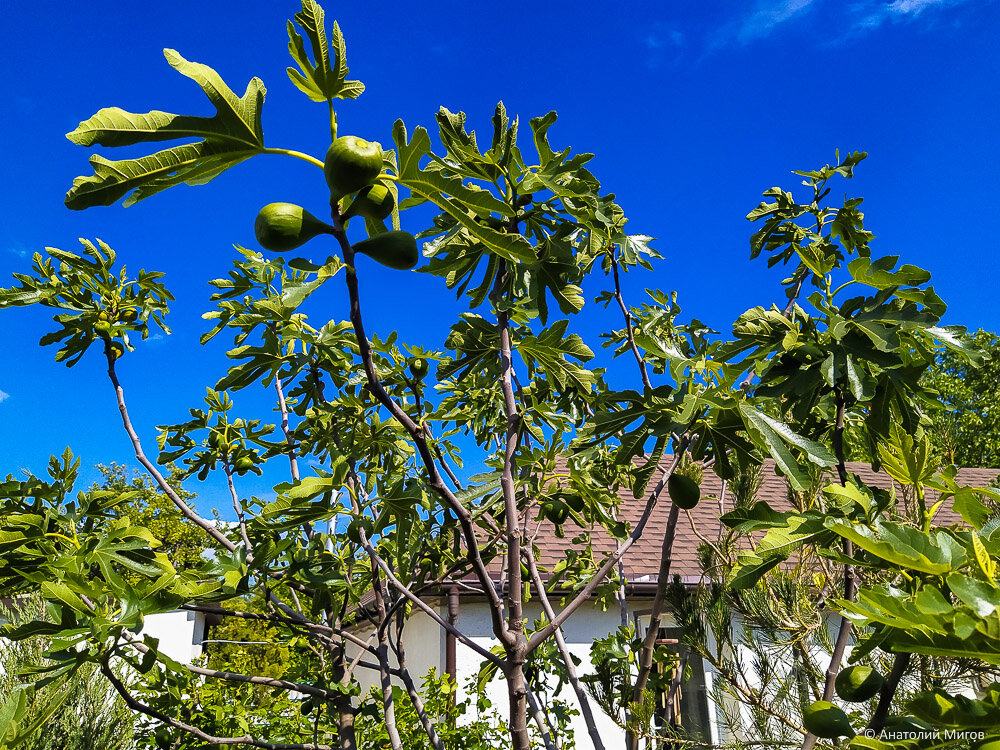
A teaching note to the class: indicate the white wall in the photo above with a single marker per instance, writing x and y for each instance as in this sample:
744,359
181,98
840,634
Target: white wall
180,633
425,647
587,624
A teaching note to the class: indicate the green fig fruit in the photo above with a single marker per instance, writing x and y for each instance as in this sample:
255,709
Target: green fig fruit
394,249
419,367
129,316
858,684
555,511
374,202
284,226
826,720
243,465
684,491
351,164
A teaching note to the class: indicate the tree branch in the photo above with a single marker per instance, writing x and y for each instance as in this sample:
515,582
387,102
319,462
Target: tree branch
434,477
574,679
418,704
628,324
148,465
240,516
584,594
515,617
850,581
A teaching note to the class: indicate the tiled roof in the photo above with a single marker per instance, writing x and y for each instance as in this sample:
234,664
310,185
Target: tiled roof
643,559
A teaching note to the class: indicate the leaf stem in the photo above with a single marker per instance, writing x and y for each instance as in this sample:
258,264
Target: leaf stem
297,154
57,535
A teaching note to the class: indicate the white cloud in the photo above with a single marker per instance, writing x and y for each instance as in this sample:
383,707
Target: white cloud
4,396
769,15
661,42
872,14
914,7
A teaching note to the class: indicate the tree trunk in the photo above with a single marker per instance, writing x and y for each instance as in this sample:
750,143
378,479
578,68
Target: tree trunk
345,723
517,692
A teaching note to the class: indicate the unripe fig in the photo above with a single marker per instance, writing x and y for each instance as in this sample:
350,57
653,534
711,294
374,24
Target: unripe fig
555,511
826,720
243,465
684,491
351,164
395,249
374,202
284,226
858,684
419,367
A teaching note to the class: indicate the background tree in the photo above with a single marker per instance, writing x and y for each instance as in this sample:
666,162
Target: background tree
966,412
149,507
77,713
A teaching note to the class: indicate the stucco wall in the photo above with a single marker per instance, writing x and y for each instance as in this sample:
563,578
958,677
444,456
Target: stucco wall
425,648
181,633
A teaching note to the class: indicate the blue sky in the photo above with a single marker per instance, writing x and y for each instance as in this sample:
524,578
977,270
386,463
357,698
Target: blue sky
692,109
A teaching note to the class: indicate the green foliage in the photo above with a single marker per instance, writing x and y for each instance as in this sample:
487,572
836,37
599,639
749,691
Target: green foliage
148,507
323,78
231,136
77,713
965,414
463,728
97,302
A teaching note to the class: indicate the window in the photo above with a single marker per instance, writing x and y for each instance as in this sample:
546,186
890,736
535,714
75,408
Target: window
683,705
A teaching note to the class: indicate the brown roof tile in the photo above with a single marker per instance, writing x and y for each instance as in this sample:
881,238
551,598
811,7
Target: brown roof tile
643,559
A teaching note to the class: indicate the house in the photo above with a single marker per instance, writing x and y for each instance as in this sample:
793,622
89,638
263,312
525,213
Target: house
429,646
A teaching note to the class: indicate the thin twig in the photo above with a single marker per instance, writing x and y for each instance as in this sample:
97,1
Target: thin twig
419,440
148,465
238,507
628,325
574,678
600,575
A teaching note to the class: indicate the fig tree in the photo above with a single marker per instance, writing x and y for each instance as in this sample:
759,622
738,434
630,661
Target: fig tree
395,249
284,226
351,164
